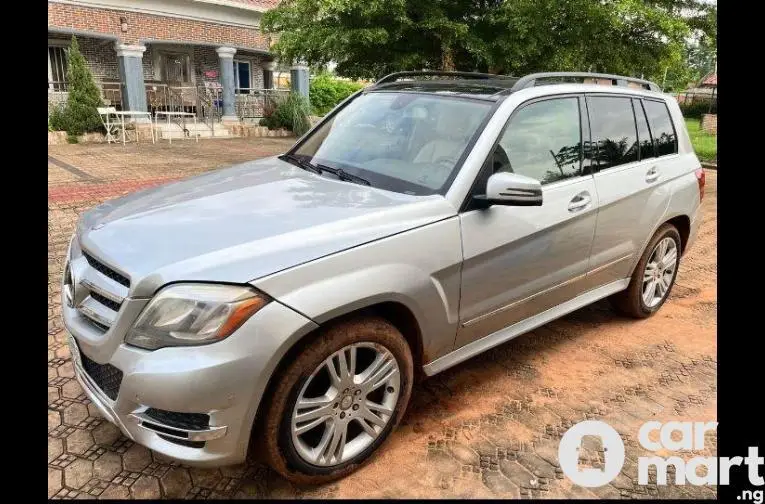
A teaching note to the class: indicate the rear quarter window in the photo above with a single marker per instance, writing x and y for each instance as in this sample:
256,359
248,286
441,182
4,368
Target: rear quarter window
662,128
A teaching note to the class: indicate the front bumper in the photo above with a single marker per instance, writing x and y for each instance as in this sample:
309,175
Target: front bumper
224,380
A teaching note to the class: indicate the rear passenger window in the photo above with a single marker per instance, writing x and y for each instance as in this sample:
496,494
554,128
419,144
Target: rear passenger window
662,128
613,131
542,141
644,135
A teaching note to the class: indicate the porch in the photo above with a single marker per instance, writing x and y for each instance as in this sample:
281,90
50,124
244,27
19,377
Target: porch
217,84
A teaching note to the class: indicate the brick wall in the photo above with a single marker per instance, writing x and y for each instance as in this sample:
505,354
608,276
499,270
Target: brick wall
100,55
709,123
147,26
205,58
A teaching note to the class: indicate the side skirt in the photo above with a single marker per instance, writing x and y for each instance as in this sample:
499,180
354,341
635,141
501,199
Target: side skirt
497,338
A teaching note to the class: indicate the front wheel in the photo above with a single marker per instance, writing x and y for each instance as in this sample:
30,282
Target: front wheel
653,277
338,401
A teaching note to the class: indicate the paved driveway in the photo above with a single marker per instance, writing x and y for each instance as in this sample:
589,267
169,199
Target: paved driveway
488,428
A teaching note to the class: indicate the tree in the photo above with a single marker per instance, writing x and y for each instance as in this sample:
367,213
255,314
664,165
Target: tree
369,38
80,114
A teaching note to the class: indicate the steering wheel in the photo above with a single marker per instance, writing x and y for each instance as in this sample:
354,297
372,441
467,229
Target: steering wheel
445,161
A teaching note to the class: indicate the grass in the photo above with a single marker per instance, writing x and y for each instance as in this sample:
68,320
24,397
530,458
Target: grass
704,144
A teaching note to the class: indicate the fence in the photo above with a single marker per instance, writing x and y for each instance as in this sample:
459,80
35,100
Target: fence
695,104
205,101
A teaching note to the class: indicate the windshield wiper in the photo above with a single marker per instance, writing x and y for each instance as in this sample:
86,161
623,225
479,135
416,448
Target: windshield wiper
344,175
319,168
300,162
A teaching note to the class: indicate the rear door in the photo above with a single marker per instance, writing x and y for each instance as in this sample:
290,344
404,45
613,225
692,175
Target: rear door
521,261
630,178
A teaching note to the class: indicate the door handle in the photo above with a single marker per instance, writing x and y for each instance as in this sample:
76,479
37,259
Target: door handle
652,175
579,202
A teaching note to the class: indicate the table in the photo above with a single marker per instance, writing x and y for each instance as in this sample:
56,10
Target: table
132,113
168,114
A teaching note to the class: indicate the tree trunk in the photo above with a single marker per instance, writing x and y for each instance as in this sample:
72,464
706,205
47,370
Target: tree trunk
447,59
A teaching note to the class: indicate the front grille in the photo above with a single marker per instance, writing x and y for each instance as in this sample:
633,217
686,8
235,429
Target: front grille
113,305
107,377
106,270
186,421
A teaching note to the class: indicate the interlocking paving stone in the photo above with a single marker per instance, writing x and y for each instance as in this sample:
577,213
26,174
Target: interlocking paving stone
79,442
78,473
136,458
489,427
107,466
55,477
146,487
176,483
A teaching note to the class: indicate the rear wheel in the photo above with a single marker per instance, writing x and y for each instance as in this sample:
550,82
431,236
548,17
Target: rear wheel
653,277
338,401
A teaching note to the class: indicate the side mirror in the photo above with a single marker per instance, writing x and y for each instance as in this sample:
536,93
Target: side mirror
512,189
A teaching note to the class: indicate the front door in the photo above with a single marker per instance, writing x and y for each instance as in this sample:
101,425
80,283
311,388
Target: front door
521,261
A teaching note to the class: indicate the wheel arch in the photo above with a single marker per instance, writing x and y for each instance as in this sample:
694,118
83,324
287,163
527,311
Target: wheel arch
681,221
394,311
683,224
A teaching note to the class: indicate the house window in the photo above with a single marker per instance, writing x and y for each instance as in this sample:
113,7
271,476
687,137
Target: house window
57,61
242,76
175,68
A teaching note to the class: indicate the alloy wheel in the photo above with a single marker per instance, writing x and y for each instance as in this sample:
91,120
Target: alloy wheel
659,272
345,404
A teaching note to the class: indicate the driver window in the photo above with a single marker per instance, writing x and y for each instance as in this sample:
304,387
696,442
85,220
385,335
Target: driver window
542,141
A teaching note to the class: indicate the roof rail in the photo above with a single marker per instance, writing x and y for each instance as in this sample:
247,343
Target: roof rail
438,73
619,80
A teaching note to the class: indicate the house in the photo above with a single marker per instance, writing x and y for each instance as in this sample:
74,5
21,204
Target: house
705,89
207,57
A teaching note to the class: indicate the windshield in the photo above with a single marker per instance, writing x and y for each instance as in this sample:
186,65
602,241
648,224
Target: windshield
403,142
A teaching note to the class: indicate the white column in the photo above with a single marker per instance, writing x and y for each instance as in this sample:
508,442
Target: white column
130,60
226,55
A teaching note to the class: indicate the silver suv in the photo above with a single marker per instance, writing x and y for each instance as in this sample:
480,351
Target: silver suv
283,307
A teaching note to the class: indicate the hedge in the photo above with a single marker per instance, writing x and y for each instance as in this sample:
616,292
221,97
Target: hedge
327,91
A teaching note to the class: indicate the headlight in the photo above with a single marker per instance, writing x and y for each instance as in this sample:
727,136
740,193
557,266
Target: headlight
194,314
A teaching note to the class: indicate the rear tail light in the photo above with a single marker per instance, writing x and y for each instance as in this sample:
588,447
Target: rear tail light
701,178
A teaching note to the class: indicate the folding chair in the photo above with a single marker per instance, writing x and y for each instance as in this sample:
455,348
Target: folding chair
108,117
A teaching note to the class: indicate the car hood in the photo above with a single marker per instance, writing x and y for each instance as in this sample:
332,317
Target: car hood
245,222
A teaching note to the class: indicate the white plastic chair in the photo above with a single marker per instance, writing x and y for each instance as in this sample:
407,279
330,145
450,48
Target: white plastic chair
108,117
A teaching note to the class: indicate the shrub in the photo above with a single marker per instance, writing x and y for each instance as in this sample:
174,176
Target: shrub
697,108
291,112
57,119
327,91
80,114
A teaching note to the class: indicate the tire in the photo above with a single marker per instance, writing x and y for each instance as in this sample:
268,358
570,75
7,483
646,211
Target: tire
631,301
292,455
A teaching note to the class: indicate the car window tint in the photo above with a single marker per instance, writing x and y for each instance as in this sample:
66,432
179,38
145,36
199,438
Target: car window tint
644,135
661,127
542,141
613,131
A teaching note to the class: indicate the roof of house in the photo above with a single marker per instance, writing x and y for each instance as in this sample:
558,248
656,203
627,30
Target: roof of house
709,80
256,5
268,4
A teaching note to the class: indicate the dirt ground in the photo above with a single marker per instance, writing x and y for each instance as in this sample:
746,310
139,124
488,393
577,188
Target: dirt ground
489,427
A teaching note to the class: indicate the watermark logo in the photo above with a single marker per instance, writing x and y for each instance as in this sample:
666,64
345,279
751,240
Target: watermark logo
581,443
591,454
